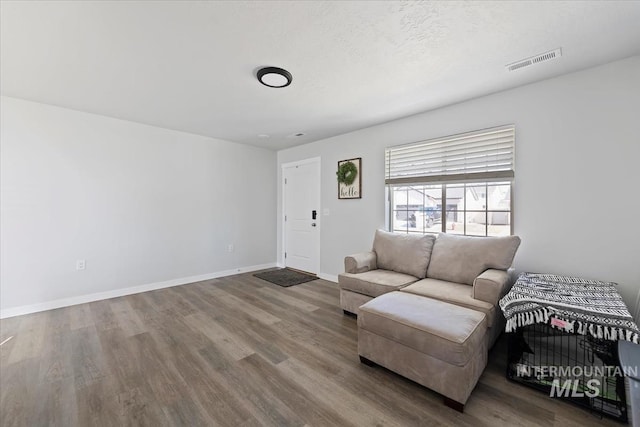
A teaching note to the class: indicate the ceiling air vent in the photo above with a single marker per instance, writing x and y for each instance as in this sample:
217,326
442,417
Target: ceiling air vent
543,57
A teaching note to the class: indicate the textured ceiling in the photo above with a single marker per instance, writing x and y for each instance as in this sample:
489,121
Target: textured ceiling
191,66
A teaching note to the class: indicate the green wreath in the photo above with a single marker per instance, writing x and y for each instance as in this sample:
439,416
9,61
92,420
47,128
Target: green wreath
347,173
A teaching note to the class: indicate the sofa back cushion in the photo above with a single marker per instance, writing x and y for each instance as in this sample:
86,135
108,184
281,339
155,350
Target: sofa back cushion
461,259
404,253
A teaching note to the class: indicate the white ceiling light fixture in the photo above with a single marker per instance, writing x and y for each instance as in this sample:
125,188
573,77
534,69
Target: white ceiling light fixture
274,77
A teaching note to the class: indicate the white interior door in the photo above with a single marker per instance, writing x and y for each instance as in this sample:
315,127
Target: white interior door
301,207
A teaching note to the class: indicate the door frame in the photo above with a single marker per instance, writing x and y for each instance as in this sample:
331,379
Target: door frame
283,248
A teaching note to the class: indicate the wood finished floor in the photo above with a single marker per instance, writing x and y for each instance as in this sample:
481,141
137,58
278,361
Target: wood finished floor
235,351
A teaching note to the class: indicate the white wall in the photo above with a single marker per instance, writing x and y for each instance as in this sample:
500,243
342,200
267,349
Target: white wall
140,204
577,173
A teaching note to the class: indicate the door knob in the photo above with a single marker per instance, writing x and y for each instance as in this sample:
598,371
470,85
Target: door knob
313,224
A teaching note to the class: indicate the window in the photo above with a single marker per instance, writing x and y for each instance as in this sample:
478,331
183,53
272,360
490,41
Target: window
460,184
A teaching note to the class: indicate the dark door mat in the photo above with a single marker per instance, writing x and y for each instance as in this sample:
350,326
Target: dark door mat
285,277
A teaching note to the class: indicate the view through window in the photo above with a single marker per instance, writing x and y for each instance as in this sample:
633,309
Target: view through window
477,209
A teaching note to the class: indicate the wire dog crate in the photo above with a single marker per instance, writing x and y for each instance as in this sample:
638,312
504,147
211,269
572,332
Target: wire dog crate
578,368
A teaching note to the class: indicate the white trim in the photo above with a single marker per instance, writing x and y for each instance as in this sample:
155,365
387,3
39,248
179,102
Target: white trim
301,162
283,248
636,311
82,299
329,277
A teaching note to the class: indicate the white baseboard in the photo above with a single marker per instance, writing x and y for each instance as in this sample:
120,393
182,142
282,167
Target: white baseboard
329,277
81,299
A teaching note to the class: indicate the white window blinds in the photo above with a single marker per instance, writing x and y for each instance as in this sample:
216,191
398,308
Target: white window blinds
480,155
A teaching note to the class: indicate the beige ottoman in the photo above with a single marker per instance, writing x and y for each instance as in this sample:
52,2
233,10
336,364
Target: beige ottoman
438,345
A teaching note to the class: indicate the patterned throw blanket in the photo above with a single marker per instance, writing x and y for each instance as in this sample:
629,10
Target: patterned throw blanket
571,304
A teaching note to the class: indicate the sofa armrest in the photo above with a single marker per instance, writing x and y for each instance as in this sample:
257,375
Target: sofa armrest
361,262
491,285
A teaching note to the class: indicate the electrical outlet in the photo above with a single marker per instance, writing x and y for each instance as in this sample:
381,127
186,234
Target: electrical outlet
230,247
81,264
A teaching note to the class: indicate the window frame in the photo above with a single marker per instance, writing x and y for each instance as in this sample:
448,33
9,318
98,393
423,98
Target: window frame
485,174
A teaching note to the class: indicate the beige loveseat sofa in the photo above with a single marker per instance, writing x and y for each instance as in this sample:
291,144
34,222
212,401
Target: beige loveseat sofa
427,306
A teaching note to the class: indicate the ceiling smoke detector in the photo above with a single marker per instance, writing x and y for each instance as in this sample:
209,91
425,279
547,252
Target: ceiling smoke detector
543,57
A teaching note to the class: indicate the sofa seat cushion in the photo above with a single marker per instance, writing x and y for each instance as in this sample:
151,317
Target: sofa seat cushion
445,331
461,259
403,253
375,282
453,293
